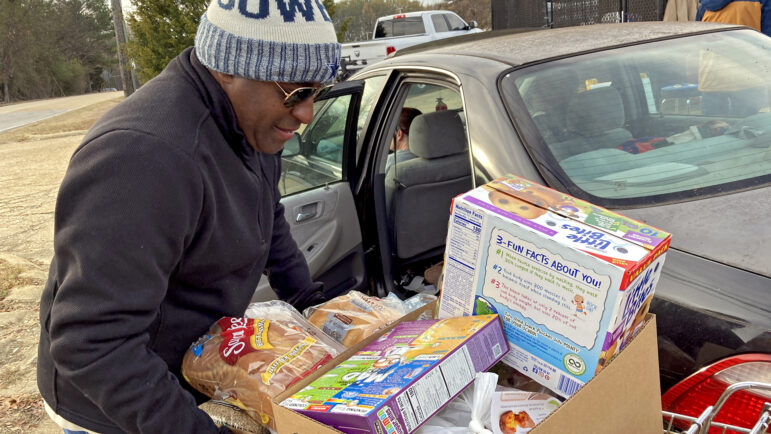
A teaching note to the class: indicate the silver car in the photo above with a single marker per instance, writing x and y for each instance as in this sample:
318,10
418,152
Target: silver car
666,123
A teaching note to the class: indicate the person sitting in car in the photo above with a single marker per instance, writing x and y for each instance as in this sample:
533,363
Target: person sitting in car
400,148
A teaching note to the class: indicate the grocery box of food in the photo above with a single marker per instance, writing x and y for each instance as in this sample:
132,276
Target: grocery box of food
624,394
571,281
397,382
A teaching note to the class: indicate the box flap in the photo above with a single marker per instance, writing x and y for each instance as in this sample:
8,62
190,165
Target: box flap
578,210
625,396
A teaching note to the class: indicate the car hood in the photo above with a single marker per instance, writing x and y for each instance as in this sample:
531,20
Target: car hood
732,229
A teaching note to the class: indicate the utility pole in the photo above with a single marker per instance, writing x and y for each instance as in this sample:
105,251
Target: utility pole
120,38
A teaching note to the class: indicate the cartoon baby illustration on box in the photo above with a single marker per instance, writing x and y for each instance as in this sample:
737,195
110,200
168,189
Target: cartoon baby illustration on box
578,300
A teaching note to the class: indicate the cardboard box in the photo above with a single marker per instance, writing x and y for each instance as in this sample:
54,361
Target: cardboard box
623,397
399,381
571,281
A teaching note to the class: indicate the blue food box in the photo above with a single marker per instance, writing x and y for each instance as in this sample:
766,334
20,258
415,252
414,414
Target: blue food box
571,281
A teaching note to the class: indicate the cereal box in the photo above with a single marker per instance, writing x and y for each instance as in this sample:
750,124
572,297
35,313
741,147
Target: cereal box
571,281
397,382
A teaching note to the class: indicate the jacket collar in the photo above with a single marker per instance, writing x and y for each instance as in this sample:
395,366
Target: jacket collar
216,100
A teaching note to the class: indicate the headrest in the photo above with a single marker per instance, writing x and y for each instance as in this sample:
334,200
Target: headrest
595,111
437,134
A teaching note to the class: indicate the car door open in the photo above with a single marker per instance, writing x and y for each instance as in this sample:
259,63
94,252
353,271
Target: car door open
317,197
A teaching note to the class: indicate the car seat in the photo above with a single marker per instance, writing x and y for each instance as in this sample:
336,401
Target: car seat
595,120
419,191
545,97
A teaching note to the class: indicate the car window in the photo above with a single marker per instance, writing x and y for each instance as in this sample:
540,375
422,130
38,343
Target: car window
455,22
400,26
430,97
420,99
372,86
657,121
440,25
314,157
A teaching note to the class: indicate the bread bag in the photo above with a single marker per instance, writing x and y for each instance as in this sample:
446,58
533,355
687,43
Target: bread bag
248,360
352,317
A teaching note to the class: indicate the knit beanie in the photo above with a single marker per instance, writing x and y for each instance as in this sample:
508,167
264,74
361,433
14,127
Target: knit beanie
291,41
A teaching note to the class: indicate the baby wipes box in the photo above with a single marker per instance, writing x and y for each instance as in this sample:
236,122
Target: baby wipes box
571,281
397,382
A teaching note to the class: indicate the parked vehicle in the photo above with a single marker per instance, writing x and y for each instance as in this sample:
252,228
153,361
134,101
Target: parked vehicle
395,32
668,123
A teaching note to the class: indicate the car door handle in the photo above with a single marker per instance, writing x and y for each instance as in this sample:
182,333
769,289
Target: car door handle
307,212
301,217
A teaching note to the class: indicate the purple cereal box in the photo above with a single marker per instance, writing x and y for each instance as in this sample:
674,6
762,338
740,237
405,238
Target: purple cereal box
399,381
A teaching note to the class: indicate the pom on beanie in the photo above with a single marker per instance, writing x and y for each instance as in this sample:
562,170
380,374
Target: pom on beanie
290,41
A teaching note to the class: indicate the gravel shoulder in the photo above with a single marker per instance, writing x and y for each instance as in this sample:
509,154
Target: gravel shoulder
33,160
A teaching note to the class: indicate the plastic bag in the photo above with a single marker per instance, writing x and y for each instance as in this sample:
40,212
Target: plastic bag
352,317
412,303
246,361
278,310
468,412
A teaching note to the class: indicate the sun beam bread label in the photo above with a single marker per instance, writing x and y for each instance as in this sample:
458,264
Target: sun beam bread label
571,281
242,336
286,358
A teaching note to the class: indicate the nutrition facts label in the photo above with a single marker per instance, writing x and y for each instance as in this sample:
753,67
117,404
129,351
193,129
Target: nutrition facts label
466,233
462,255
421,400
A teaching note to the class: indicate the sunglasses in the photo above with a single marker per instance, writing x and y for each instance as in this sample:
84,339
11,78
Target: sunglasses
301,94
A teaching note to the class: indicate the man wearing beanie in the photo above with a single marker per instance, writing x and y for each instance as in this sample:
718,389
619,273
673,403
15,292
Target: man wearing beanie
169,214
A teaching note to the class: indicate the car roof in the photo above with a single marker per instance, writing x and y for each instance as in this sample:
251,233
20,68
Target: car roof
522,46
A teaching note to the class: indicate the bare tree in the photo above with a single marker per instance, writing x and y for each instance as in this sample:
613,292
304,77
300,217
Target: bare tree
471,10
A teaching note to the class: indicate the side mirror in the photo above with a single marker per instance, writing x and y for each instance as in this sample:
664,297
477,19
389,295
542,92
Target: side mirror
472,25
292,146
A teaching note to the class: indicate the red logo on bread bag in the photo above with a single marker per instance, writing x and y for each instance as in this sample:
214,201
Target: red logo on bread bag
242,336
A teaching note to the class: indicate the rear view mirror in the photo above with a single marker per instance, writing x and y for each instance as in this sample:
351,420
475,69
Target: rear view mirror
472,25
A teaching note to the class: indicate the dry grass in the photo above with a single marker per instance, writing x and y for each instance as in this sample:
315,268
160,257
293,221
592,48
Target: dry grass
74,122
21,414
21,409
10,277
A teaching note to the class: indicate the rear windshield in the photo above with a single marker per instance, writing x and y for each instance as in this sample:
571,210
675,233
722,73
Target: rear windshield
662,121
400,27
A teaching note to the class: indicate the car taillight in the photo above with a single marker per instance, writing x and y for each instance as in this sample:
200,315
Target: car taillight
694,394
390,50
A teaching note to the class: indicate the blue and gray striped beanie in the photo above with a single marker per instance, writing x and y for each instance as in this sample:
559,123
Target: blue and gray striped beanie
291,41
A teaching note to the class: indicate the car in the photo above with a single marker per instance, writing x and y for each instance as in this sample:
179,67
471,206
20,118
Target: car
666,123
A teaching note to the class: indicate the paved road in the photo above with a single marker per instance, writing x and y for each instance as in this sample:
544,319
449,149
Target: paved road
17,115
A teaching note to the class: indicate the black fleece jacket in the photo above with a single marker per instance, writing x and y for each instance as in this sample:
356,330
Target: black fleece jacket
165,221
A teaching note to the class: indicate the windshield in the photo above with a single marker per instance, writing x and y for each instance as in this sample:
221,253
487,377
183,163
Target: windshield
662,121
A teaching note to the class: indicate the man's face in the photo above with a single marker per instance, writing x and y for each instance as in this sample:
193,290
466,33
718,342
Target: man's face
260,111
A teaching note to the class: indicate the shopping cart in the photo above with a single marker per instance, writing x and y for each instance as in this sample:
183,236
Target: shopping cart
704,424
